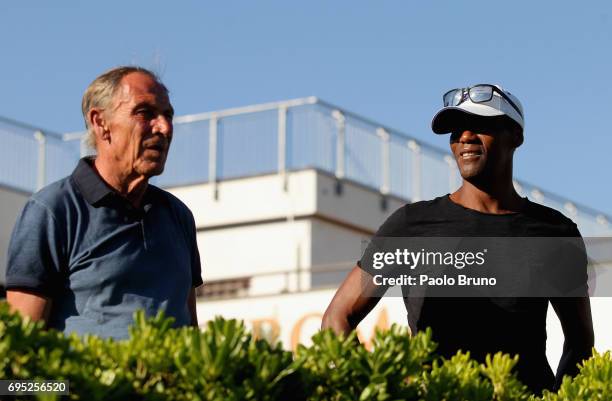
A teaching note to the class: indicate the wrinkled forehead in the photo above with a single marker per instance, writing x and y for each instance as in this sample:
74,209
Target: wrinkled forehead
138,87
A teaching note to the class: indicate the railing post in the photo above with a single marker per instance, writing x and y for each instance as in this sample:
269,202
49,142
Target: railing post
340,141
83,147
450,162
537,195
571,209
602,220
282,145
212,154
41,176
518,187
385,184
416,170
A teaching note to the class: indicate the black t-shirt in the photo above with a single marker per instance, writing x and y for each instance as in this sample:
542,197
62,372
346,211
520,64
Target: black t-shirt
482,325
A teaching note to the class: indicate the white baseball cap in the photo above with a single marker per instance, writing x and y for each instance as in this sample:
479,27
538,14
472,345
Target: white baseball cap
483,100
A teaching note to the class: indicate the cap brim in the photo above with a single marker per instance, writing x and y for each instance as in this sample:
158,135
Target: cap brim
450,118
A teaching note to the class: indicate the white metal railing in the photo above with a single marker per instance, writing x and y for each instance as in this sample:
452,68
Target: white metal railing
275,138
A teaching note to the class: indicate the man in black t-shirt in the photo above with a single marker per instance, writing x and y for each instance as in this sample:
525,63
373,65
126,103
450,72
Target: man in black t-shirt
486,126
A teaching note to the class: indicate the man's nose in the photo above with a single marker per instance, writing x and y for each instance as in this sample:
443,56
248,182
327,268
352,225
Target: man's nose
163,125
468,136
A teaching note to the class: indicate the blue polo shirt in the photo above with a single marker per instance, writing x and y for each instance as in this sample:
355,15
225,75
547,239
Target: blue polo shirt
99,259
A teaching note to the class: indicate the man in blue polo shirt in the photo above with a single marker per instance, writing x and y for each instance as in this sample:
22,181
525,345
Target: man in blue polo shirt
92,248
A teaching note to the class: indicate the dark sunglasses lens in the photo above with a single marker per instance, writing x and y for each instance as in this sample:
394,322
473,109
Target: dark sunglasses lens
481,93
452,98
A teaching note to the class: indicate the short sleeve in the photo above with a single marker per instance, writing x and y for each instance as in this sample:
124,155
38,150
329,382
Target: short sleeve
390,228
571,272
35,254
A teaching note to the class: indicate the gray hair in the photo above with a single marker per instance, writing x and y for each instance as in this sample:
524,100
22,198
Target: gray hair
101,91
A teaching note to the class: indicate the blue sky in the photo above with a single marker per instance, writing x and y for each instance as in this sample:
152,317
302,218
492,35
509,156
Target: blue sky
388,60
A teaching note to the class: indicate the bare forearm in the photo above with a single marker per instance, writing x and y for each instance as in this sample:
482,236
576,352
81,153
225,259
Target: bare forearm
337,321
351,303
573,354
576,321
34,306
191,305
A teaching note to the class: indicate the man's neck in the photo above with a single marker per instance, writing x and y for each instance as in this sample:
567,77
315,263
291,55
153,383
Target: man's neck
499,197
131,187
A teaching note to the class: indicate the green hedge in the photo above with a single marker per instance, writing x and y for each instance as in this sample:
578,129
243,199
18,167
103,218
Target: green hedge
224,362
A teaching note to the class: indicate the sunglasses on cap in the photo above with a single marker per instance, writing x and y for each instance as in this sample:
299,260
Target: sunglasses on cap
481,93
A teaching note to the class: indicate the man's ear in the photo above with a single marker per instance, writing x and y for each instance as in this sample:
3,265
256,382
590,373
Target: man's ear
99,125
517,134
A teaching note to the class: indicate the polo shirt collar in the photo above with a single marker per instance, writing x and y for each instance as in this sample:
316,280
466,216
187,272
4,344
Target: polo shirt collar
92,187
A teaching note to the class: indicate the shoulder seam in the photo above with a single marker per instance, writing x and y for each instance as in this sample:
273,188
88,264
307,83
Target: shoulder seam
46,207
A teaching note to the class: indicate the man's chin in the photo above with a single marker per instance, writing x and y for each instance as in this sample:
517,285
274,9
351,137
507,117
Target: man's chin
151,169
470,173
471,170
